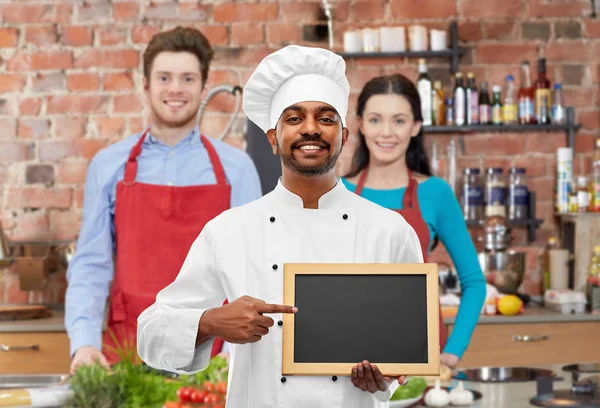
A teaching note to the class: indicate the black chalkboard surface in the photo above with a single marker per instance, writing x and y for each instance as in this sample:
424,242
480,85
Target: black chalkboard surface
387,314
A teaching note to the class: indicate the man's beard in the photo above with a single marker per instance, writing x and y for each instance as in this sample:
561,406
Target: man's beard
167,121
290,162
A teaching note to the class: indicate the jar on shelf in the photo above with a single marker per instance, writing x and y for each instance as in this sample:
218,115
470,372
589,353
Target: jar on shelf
583,194
518,195
472,201
495,192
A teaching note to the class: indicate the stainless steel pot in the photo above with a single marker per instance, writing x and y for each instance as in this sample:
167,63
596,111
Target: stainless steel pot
496,234
504,270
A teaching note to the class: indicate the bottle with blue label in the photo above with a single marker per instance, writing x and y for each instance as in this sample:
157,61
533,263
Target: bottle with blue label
472,199
559,116
495,193
518,195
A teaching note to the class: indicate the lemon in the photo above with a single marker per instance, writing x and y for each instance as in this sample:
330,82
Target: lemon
509,305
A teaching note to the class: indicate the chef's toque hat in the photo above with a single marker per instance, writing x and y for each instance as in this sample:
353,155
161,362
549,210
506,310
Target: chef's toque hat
291,75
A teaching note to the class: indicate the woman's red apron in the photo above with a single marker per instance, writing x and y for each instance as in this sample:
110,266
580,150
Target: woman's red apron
412,214
155,226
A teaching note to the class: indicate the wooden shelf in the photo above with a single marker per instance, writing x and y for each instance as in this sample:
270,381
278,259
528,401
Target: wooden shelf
570,128
498,128
453,53
403,54
530,224
513,223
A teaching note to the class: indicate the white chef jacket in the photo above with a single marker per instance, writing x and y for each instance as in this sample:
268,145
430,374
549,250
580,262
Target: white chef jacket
234,256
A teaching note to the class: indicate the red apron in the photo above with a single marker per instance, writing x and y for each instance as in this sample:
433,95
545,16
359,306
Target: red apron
155,226
412,214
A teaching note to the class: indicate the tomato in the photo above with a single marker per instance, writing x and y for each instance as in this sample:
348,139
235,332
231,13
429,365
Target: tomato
208,386
211,399
172,404
184,393
198,396
221,387
219,406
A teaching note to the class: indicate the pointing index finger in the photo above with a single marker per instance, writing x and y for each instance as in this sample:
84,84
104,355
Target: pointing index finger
271,308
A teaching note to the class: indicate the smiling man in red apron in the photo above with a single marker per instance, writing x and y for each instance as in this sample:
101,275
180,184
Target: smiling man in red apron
146,200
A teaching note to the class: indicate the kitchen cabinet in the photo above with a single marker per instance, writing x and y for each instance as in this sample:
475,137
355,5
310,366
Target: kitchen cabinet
34,353
527,344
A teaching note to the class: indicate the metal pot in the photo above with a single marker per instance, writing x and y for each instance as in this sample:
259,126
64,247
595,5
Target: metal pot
496,234
504,270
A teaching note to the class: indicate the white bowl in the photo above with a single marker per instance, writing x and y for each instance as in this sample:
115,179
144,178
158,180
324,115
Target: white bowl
405,402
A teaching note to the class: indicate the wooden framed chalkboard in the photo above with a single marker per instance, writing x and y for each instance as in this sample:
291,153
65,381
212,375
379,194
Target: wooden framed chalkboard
387,314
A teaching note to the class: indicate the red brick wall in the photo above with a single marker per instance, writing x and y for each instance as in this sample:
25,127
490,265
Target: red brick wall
70,84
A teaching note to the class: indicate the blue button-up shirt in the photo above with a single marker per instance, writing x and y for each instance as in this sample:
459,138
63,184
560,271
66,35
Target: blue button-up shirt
91,269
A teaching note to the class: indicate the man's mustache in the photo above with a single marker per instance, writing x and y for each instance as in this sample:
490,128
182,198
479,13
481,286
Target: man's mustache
310,138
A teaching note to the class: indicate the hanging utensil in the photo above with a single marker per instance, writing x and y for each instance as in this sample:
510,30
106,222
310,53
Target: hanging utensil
233,89
327,7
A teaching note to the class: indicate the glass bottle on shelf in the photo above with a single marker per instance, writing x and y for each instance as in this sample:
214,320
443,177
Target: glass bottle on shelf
542,94
439,117
495,193
449,112
496,106
509,109
485,105
460,101
558,109
425,86
472,109
526,97
472,195
518,195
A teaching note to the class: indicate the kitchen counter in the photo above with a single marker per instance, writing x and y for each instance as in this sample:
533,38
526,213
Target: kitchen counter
534,314
55,323
512,395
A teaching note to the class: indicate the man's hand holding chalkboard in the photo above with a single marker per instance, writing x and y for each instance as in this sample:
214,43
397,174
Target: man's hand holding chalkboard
367,377
241,321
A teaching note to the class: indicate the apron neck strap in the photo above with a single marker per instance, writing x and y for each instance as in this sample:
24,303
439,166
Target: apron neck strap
214,161
131,166
410,195
361,180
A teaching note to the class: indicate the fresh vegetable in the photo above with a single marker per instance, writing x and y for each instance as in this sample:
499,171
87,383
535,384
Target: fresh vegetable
415,388
437,396
221,387
94,387
184,393
198,396
133,385
460,396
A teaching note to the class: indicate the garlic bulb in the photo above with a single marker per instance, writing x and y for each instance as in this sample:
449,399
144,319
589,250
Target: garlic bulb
460,396
437,396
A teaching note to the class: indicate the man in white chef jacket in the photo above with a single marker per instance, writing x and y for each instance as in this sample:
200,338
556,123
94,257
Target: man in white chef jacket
299,97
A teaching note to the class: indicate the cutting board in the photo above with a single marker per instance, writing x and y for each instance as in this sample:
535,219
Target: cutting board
24,312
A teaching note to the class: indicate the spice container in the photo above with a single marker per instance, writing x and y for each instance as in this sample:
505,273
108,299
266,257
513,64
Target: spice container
583,195
472,195
518,195
495,192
